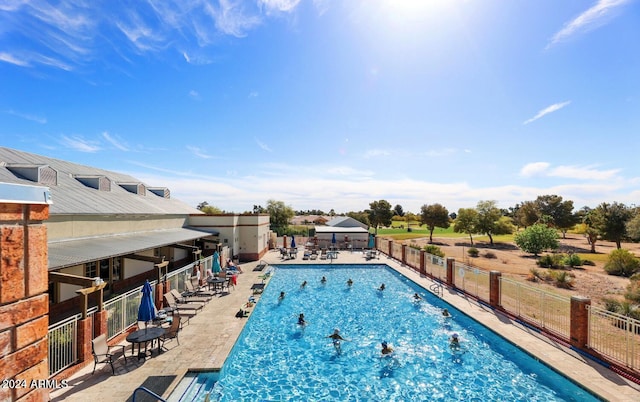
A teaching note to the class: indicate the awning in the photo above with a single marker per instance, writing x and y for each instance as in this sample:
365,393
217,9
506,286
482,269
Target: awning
74,252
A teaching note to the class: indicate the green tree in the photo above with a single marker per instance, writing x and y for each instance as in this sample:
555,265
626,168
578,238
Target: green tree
209,209
398,210
526,214
433,216
379,214
611,221
279,215
633,225
560,212
537,238
359,216
488,216
466,222
622,263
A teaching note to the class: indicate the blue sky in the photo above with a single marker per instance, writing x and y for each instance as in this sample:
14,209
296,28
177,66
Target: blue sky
332,104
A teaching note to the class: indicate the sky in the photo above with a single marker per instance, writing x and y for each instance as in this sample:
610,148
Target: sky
327,104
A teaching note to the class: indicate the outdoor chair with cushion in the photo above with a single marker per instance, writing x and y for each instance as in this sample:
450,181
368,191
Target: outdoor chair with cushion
102,352
193,291
171,301
172,331
189,299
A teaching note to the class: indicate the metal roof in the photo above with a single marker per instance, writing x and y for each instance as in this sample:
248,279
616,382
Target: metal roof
72,194
78,251
338,229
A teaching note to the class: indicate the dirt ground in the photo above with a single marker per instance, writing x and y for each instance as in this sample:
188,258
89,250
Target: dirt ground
590,281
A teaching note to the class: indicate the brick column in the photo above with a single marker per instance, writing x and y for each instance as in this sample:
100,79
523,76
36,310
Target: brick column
404,254
390,248
451,262
423,261
579,322
100,323
24,303
494,288
84,340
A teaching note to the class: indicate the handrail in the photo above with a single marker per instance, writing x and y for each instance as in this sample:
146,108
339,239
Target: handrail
148,391
437,288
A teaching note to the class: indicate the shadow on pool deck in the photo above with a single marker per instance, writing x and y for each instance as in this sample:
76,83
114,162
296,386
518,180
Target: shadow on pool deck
209,337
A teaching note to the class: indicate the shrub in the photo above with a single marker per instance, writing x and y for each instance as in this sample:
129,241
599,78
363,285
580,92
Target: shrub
550,261
434,250
611,305
622,263
473,252
572,260
490,255
633,291
589,263
563,279
534,275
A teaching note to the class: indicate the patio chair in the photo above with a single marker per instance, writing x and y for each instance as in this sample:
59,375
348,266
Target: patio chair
323,254
172,331
193,291
102,352
170,300
189,299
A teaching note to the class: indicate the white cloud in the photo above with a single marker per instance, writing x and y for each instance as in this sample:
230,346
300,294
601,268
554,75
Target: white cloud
199,152
231,18
116,142
549,109
375,153
25,116
263,145
13,59
594,17
271,6
194,94
253,94
534,169
80,144
583,173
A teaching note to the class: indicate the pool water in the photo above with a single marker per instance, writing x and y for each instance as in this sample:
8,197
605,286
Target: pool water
277,359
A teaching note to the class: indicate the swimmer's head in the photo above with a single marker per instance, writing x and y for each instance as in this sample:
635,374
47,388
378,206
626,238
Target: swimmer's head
385,344
454,336
336,331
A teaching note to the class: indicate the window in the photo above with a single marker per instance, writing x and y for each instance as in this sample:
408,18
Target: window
91,269
116,269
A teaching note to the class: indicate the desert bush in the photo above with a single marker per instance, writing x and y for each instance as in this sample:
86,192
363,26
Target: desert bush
633,291
534,275
563,279
490,255
473,252
434,250
589,263
622,263
550,261
572,260
611,305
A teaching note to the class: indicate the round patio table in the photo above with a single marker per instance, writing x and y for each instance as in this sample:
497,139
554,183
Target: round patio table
145,336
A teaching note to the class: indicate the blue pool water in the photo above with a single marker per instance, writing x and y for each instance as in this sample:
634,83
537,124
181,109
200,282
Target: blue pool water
277,359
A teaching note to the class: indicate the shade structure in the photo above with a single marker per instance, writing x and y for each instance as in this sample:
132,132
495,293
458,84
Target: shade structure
293,241
147,310
216,263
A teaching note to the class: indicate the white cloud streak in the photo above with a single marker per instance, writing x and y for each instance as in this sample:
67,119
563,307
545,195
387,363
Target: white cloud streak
549,109
80,144
263,145
594,17
199,152
25,116
544,169
116,142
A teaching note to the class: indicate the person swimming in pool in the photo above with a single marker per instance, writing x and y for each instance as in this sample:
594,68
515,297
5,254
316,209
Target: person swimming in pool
446,313
386,349
382,287
301,320
349,282
337,338
416,297
323,280
302,286
281,297
454,342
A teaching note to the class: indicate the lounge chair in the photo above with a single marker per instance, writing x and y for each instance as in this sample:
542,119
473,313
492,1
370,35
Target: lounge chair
102,352
314,254
306,255
171,301
180,298
323,254
192,291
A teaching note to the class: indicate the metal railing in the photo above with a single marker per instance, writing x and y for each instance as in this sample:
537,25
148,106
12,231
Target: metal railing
545,310
435,266
63,345
615,336
473,281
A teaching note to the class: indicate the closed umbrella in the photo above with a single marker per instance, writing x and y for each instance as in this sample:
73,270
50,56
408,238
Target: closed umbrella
333,239
216,263
371,241
147,310
293,241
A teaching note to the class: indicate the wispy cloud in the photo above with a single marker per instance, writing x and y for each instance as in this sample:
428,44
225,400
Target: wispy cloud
116,142
549,109
375,153
594,17
278,6
199,152
194,94
80,144
568,171
13,59
25,116
253,94
263,145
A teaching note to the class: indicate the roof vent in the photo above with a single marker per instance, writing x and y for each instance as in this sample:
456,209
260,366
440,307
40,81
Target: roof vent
160,191
135,188
101,183
42,174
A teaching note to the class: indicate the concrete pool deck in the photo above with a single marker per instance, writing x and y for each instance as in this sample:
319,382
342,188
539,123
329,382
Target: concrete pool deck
208,338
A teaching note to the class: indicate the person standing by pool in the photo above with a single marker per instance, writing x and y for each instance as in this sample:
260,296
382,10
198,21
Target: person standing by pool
337,338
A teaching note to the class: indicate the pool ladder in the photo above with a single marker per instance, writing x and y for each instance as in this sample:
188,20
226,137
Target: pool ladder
437,288
148,391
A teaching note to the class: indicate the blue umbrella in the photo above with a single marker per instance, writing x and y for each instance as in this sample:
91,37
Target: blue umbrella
333,239
293,241
371,241
147,310
216,263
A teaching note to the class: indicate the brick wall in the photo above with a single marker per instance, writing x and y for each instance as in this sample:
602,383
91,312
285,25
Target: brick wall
24,303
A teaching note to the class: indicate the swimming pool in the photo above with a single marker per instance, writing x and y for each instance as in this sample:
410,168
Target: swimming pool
277,359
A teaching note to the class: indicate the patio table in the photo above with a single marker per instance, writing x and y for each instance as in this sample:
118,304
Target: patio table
145,336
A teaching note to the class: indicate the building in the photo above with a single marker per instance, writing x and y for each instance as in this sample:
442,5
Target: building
108,225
